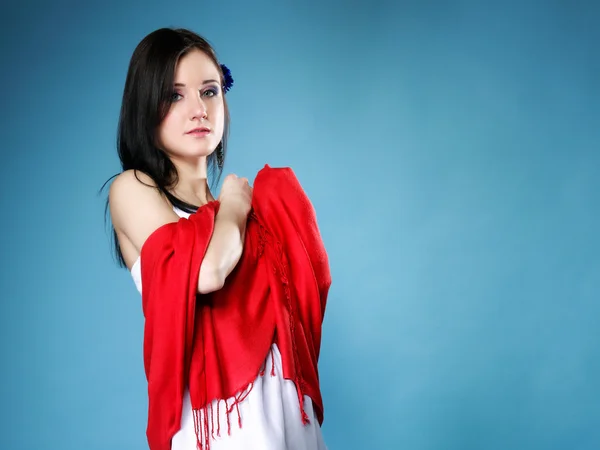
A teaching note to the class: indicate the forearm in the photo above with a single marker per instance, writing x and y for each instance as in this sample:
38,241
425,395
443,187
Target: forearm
224,250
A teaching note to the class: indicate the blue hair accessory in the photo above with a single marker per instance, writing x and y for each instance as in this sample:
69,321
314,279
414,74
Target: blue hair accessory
227,78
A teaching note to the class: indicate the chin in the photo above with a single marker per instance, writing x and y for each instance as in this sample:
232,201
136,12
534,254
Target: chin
199,150
202,151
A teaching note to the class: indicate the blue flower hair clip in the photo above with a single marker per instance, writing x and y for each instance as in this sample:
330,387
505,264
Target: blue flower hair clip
227,78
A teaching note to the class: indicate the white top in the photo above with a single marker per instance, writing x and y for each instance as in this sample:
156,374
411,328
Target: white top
269,414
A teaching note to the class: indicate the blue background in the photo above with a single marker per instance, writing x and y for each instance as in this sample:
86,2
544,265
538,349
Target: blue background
451,150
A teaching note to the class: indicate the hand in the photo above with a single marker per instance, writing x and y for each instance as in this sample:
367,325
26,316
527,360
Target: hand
236,193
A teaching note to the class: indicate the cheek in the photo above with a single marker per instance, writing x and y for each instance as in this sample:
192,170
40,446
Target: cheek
166,133
169,124
163,132
219,118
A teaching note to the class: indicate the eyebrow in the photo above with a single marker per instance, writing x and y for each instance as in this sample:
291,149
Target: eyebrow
204,82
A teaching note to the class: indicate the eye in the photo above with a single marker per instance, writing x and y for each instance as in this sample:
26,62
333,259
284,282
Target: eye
176,96
211,92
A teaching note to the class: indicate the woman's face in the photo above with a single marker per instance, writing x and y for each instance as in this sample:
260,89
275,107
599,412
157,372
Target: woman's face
193,126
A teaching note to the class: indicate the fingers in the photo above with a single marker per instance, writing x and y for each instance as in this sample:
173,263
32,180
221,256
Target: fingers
232,180
233,176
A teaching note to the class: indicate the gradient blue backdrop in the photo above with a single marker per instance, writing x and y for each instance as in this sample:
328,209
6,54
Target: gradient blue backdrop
451,151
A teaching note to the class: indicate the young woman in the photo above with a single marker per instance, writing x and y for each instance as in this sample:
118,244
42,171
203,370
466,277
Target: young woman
234,288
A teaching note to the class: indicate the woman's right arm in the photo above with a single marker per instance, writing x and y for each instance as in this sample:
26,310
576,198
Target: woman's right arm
138,209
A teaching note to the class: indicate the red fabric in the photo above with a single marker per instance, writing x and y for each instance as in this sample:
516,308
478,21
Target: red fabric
216,344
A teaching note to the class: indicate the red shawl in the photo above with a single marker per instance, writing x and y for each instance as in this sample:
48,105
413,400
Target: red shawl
215,344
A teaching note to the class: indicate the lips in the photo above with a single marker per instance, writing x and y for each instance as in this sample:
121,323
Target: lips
200,130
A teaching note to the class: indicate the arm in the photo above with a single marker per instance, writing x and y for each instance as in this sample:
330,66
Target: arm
227,242
137,210
225,248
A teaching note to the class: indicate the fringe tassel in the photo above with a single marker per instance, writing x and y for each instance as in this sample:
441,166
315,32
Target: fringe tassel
205,426
272,362
218,421
199,428
206,434
212,422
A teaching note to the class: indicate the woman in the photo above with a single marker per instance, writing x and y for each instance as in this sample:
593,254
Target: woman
234,288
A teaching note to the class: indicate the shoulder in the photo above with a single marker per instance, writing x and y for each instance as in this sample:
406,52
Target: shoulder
132,191
131,180
137,208
130,185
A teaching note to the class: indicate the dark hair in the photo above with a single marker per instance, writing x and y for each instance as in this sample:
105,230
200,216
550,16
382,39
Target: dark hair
146,101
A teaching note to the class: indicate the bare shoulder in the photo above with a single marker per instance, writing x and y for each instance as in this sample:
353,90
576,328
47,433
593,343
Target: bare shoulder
129,189
130,183
137,208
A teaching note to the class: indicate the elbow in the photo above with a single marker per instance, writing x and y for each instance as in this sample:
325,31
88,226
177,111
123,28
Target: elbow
209,280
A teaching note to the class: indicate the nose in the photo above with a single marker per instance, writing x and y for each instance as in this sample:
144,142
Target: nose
199,109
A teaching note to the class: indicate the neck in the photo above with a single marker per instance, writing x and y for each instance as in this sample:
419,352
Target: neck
192,185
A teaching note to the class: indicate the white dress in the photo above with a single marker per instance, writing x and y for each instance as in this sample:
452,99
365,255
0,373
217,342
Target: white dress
269,414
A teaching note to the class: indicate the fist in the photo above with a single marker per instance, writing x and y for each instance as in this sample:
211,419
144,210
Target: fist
237,193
